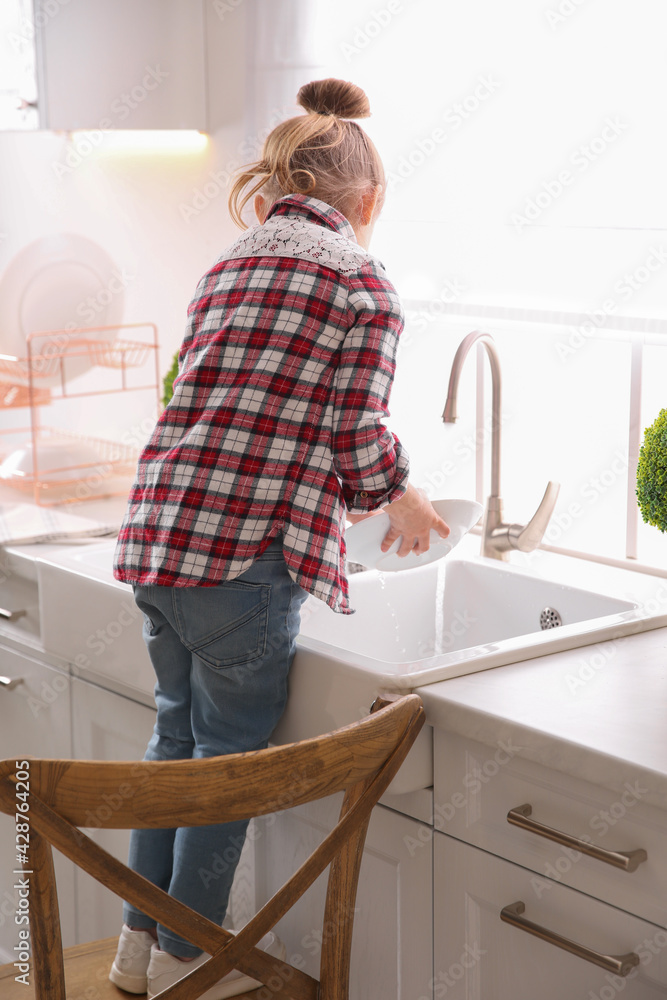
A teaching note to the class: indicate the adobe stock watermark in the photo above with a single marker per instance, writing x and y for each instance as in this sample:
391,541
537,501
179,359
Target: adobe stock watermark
562,12
600,823
88,310
451,119
579,161
224,7
624,289
463,451
473,781
591,491
364,34
312,943
220,864
218,181
84,143
98,642
138,434
590,666
420,318
646,951
42,13
445,980
49,691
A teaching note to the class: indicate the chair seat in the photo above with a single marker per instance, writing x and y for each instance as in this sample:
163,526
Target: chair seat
86,965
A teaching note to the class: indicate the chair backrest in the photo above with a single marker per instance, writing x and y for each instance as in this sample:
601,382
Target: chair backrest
360,759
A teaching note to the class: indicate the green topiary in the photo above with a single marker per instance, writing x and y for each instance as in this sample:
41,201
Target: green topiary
652,473
168,381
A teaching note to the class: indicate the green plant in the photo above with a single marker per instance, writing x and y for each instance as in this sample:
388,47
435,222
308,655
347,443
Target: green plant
168,381
652,473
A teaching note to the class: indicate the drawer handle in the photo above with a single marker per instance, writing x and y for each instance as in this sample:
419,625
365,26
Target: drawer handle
627,860
620,965
11,616
10,682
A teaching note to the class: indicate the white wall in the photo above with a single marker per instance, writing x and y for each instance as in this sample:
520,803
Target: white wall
480,107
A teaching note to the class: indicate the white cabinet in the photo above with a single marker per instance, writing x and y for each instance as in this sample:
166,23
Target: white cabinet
479,957
105,726
392,939
484,863
109,64
34,721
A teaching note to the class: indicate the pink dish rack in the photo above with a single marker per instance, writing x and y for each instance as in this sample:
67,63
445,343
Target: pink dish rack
40,379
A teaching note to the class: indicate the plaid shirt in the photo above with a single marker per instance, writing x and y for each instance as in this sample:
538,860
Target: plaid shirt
275,425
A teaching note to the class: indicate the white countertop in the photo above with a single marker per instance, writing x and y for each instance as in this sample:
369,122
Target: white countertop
597,712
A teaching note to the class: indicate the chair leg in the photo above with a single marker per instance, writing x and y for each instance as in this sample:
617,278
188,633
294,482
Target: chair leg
340,909
49,969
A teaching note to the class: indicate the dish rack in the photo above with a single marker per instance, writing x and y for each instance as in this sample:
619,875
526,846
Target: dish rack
40,379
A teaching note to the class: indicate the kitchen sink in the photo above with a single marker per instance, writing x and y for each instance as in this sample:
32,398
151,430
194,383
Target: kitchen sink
461,615
456,616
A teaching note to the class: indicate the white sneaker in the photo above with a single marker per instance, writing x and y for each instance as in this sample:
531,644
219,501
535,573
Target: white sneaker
131,962
164,970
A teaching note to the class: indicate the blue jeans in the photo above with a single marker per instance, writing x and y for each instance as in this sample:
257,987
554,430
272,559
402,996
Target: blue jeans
221,656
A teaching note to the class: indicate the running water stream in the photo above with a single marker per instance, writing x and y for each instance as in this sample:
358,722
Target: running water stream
439,609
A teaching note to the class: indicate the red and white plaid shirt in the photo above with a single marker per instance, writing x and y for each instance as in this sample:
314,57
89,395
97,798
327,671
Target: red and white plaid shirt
275,425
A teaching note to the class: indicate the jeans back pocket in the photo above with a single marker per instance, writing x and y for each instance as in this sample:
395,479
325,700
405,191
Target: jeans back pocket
223,625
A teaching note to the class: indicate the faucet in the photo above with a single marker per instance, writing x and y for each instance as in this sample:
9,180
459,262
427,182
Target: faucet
498,537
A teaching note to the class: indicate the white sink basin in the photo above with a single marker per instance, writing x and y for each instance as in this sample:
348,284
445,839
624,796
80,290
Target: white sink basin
456,616
466,613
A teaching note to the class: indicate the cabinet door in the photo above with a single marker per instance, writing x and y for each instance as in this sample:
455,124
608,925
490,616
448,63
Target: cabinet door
392,940
121,65
35,721
106,726
477,785
477,956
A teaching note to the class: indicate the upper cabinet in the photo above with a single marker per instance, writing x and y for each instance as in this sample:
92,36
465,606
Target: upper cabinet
103,64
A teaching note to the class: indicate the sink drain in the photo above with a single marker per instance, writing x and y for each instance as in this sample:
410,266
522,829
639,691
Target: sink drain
549,618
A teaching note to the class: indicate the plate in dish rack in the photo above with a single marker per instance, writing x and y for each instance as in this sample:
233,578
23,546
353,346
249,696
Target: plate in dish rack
58,282
363,539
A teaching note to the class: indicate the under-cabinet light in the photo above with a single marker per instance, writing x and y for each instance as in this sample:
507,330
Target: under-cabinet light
169,141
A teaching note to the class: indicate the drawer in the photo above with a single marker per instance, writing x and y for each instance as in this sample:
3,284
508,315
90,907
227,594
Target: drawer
478,956
476,786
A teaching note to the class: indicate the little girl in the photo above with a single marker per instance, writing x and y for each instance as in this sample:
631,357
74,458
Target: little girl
273,436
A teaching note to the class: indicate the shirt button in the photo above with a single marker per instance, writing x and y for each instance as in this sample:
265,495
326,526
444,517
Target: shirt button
363,494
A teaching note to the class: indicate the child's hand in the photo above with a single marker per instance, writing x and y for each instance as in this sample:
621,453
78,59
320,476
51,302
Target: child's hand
413,517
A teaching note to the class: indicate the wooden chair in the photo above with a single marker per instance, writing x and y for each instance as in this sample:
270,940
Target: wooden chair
360,759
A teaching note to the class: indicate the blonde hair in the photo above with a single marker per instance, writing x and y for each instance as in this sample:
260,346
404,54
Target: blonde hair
323,154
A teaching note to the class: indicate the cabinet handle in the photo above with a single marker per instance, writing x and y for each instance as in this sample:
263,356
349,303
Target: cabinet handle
10,682
11,616
620,965
627,860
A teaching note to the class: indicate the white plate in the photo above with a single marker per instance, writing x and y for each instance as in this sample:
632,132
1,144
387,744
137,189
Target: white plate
364,538
58,282
56,460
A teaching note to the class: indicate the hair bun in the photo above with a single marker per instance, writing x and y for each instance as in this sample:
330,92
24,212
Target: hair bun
334,97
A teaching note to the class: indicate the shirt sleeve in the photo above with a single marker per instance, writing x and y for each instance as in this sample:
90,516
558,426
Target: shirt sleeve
369,460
